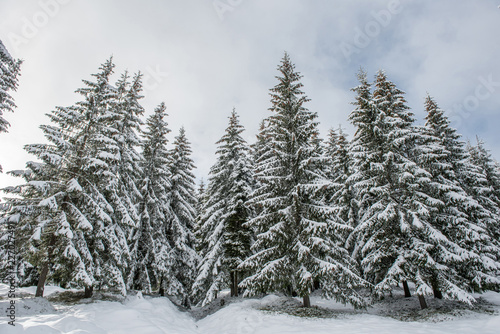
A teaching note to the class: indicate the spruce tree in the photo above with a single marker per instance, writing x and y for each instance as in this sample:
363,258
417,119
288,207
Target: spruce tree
260,147
463,215
200,198
125,126
225,241
181,215
490,190
9,72
64,214
96,154
339,168
295,243
151,252
396,240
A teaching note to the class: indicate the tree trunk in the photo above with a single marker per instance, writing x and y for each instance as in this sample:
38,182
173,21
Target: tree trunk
437,293
88,291
41,280
233,279
423,304
186,303
407,290
235,287
45,269
161,290
306,301
316,284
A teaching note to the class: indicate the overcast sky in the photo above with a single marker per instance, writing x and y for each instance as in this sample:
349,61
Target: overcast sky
204,57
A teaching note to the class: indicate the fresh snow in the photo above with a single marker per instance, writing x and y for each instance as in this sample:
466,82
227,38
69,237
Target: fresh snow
138,314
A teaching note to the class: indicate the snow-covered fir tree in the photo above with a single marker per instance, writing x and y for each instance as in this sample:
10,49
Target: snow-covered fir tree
151,253
259,151
49,228
295,242
9,72
224,240
260,147
490,194
481,215
200,198
452,213
96,154
181,215
63,213
395,239
339,165
125,127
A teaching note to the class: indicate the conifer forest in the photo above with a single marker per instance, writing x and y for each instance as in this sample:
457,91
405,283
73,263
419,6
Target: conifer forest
109,201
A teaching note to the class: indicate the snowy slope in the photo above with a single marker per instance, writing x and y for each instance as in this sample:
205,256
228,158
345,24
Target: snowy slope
159,315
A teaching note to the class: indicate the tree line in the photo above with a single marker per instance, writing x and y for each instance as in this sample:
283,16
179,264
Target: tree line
110,204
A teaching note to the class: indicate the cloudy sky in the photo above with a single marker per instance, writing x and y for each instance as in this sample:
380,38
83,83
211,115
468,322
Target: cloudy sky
204,57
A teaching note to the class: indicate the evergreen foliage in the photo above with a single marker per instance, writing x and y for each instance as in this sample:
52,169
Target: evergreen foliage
490,193
225,240
181,215
462,215
152,254
9,72
65,220
397,238
339,163
295,243
107,204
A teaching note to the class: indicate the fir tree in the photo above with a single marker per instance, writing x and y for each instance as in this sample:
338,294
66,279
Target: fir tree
339,168
152,254
395,239
295,245
181,215
225,241
65,219
490,192
96,152
125,127
260,147
200,197
49,227
9,72
73,218
463,215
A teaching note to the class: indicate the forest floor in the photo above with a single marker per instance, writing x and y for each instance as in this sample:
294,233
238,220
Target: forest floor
65,311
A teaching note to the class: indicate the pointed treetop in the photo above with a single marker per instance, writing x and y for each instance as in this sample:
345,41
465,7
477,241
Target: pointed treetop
435,117
107,68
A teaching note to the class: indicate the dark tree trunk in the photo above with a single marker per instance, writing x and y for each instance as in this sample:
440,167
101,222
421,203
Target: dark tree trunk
437,293
231,276
423,303
45,269
407,290
306,301
186,303
41,280
234,284
89,290
161,290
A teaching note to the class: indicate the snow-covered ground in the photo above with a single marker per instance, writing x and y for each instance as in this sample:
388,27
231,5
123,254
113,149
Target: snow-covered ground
139,314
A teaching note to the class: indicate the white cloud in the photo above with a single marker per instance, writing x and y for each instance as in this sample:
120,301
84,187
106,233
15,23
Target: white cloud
213,65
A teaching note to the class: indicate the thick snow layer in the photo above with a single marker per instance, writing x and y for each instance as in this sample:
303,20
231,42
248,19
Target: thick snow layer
159,315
